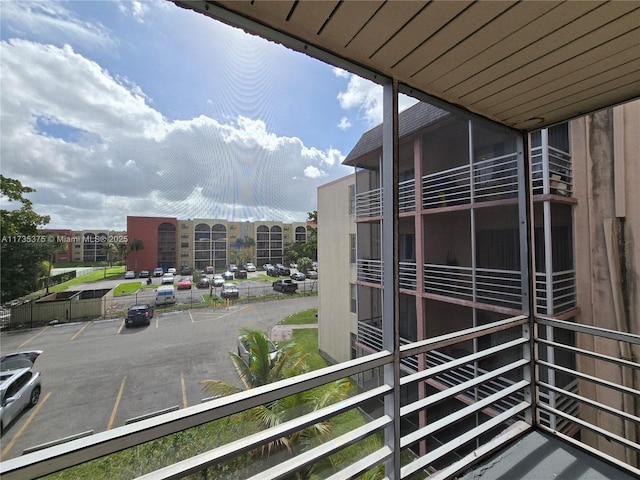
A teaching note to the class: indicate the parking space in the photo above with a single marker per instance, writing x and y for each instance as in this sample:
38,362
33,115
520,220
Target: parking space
97,375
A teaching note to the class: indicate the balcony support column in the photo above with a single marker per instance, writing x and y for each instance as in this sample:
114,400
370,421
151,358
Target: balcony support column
391,291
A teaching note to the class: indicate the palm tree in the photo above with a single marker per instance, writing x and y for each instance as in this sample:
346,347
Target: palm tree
109,249
135,246
122,251
261,368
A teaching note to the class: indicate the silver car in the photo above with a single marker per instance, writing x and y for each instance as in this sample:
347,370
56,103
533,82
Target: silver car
20,385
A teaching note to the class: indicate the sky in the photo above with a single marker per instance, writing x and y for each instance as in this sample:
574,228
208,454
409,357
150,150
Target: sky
115,108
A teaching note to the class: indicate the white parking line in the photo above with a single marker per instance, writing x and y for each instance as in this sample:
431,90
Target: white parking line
209,317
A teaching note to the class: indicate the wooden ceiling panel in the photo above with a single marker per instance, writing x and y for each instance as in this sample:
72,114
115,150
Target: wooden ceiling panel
383,26
507,55
308,17
601,61
348,20
557,48
443,41
416,32
491,33
621,77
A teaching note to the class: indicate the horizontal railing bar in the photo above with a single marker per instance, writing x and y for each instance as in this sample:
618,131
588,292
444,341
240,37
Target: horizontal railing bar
460,361
591,330
323,451
50,460
592,403
358,468
594,428
589,353
424,346
591,378
461,387
204,460
460,440
430,429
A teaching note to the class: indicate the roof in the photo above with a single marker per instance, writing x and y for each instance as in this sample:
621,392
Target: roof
410,120
526,65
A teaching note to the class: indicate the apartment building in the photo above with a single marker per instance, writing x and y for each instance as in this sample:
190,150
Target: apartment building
199,243
465,260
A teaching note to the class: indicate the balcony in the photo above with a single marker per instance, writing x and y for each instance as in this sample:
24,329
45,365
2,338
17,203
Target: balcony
369,271
369,203
496,287
557,293
551,171
408,275
502,399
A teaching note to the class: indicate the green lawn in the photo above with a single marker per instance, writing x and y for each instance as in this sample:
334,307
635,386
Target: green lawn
306,317
112,273
126,288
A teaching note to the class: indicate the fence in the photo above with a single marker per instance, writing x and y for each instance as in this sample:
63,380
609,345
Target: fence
85,305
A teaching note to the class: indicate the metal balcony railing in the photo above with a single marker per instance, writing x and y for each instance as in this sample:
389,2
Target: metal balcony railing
496,178
497,287
370,271
558,297
408,275
495,412
407,196
551,173
369,203
447,188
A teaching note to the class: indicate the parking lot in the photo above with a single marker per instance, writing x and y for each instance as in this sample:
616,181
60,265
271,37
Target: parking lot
98,375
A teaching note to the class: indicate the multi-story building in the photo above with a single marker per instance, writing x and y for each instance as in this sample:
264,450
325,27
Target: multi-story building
84,246
463,254
199,243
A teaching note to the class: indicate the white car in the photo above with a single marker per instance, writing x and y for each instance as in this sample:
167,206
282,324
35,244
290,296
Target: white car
229,290
167,278
20,385
250,267
218,281
172,270
130,274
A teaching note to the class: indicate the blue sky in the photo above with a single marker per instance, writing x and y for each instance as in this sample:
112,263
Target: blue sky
116,108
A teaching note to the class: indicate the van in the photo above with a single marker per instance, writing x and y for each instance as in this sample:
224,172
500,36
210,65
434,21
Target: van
165,294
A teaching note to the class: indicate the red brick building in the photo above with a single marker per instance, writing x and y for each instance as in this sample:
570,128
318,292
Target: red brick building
159,237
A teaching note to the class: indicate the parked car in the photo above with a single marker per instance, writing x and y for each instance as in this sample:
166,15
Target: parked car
184,283
273,272
20,385
267,266
240,274
204,283
142,313
285,285
130,274
167,278
209,270
165,294
312,275
144,274
282,270
250,267
233,267
229,290
244,350
299,276
158,272
186,271
227,275
172,270
218,280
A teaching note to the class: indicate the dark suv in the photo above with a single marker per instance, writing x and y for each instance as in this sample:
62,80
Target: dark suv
139,314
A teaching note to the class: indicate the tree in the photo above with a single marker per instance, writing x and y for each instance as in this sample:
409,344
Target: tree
262,368
21,250
135,246
244,249
122,251
109,249
304,264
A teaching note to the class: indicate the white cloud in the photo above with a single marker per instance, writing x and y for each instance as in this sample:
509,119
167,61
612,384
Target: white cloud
344,124
340,73
364,96
52,21
126,158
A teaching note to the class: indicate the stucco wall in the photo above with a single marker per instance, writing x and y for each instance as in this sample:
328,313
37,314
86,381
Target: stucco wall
335,323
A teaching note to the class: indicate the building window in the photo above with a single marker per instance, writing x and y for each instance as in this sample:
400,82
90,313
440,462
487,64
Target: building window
352,199
352,248
184,245
184,226
353,297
